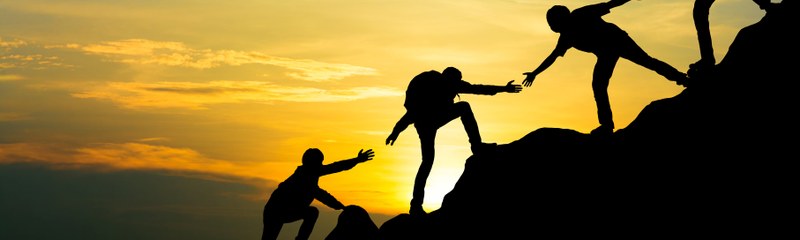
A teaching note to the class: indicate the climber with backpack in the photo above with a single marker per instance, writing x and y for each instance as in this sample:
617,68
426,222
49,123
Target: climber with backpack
430,105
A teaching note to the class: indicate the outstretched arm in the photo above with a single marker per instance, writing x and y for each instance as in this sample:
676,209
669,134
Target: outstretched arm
616,3
530,76
343,165
399,127
510,87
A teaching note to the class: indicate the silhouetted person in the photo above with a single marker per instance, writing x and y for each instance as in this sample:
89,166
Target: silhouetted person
291,201
584,29
429,106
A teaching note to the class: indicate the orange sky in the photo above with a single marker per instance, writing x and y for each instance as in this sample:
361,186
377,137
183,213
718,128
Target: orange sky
235,91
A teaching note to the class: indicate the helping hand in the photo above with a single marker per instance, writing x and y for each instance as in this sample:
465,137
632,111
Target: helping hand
529,77
365,156
392,137
513,88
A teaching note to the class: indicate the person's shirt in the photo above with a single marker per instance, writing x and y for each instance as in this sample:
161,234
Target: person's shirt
587,31
302,187
442,94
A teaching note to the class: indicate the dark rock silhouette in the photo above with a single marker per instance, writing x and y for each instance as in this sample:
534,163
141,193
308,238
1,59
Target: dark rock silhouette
354,223
710,161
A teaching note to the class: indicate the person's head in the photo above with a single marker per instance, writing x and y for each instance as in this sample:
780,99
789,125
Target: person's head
313,157
451,73
557,17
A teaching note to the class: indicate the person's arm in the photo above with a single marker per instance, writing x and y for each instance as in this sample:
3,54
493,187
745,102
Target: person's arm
616,3
466,87
597,9
343,165
399,127
326,198
530,76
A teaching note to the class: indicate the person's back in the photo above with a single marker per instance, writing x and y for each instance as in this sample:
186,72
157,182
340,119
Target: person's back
427,93
297,191
585,29
588,31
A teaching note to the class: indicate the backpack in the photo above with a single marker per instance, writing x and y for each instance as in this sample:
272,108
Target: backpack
426,92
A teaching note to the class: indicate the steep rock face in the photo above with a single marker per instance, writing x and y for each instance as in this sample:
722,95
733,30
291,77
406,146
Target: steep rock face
715,160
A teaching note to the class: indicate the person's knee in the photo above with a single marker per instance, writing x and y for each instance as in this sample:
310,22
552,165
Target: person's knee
600,85
462,106
312,213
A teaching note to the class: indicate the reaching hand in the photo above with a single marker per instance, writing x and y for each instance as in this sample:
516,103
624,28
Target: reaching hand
364,156
615,3
390,140
529,77
513,88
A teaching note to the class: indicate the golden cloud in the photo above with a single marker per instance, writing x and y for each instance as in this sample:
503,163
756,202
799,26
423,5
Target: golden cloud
143,51
129,156
14,60
35,60
10,77
27,152
191,95
11,44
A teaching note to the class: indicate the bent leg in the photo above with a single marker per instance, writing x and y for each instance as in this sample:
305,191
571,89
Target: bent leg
309,219
271,231
463,110
272,225
601,76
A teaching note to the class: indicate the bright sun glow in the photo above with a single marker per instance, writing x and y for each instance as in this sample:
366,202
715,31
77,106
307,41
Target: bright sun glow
451,155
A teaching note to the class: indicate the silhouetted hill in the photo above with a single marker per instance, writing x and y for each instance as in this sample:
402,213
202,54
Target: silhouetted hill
713,161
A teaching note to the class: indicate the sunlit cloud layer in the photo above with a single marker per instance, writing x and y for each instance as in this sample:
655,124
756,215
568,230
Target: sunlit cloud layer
191,95
143,51
6,45
9,77
127,156
33,61
10,59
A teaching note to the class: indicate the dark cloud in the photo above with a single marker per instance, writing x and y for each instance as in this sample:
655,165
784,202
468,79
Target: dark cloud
38,203
41,203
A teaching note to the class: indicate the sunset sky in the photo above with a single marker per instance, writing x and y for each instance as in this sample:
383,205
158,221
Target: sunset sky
176,119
